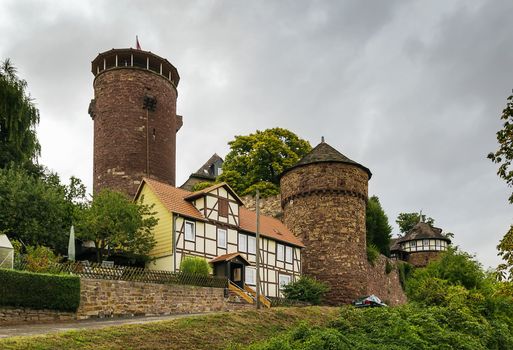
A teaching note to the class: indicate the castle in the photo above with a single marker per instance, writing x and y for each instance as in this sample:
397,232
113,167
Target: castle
323,197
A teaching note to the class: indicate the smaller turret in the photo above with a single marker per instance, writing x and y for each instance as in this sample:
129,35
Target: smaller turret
420,245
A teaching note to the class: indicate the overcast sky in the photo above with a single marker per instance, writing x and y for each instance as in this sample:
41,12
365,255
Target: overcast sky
411,89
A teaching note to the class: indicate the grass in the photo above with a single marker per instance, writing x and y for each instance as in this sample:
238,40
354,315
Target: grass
215,331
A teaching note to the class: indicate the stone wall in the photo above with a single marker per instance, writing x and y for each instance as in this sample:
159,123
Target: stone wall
122,130
17,315
105,298
386,286
421,259
270,206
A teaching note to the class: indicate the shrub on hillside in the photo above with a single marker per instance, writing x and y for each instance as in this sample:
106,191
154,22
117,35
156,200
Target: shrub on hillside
372,253
195,265
201,185
404,327
306,289
39,291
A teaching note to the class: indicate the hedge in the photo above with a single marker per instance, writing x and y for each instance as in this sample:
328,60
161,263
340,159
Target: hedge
39,291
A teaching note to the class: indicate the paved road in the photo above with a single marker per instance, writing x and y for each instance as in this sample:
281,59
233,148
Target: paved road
35,329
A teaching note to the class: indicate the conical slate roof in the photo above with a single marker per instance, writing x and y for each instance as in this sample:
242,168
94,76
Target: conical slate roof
324,153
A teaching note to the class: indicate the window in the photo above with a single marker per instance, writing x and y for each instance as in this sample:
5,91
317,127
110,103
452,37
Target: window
251,244
190,231
280,252
243,243
283,280
426,243
222,206
250,275
288,254
221,238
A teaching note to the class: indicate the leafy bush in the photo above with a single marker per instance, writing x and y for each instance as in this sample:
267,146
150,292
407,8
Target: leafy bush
39,291
195,265
405,271
306,289
405,327
40,259
266,189
201,185
372,253
389,267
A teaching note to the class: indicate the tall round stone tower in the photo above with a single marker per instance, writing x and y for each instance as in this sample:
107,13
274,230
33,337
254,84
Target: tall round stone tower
135,121
324,200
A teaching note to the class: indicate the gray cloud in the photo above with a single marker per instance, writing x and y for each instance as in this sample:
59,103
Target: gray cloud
413,90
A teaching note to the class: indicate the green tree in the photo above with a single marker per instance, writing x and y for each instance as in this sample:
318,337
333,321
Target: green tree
38,210
256,160
116,224
504,156
379,230
406,221
505,247
18,120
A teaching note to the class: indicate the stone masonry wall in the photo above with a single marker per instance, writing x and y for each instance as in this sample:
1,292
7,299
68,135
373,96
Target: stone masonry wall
120,129
17,315
421,259
105,298
270,206
324,205
386,286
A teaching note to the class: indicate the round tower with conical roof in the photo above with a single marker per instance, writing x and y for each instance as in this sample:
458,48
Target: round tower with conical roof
135,121
324,200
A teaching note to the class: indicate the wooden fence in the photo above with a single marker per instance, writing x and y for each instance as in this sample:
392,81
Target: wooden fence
135,274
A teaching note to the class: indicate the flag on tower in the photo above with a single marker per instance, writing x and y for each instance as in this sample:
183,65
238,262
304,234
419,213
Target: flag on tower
137,45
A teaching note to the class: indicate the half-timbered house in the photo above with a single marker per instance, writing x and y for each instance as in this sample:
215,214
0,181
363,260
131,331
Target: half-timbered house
213,224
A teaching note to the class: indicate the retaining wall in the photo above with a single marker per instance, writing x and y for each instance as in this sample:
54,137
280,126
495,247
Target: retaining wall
107,298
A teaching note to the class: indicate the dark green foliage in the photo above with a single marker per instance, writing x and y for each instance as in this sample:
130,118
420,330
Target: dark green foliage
306,289
405,270
389,267
39,291
454,268
38,210
372,253
505,248
116,224
18,120
378,229
406,221
201,185
265,188
504,155
260,158
195,265
405,327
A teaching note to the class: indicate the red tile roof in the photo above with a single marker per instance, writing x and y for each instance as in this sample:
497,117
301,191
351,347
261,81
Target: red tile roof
269,226
206,190
175,200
